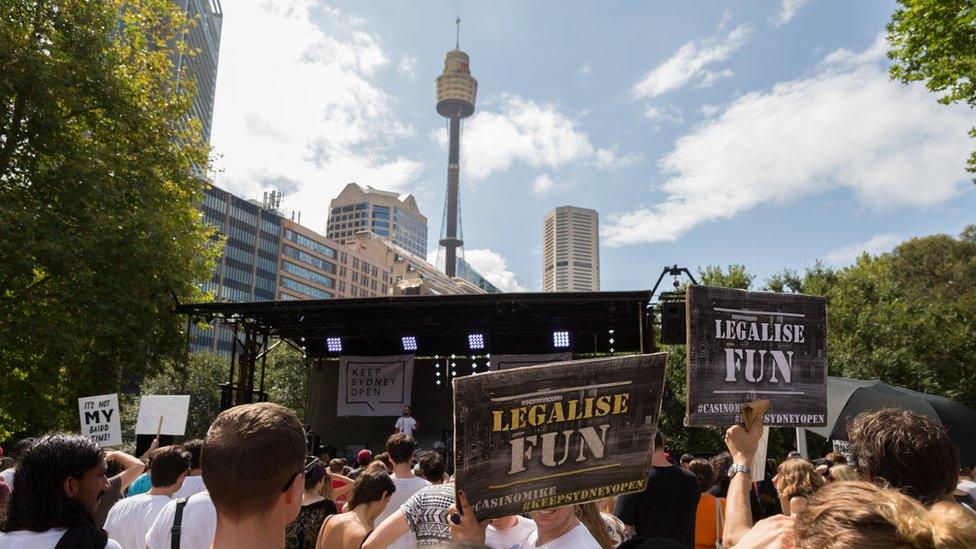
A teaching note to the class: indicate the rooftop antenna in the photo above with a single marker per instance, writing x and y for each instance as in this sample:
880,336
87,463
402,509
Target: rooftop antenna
457,41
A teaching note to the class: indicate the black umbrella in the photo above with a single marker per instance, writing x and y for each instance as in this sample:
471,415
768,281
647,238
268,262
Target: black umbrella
846,398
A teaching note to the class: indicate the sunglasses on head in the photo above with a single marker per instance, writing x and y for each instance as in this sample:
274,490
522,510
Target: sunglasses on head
310,462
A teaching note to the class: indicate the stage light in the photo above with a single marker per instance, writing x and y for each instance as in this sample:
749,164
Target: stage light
438,382
438,374
611,340
474,365
476,341
333,344
409,343
560,339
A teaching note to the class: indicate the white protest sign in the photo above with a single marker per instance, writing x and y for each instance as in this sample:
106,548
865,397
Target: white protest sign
759,462
374,385
504,362
173,410
99,416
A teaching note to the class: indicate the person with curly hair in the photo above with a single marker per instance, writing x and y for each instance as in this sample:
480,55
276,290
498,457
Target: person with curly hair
796,480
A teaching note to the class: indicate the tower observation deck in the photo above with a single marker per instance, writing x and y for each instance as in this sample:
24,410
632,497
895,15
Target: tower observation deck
456,93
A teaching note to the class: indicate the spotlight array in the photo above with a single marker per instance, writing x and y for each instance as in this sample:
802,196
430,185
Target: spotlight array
333,344
560,340
409,343
476,341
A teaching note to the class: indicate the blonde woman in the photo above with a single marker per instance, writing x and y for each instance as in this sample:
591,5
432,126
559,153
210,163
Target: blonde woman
796,480
842,472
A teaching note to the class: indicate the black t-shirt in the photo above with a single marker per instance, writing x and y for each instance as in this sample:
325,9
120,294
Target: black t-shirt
665,509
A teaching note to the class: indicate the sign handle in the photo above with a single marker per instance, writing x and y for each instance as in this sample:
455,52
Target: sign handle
159,428
752,410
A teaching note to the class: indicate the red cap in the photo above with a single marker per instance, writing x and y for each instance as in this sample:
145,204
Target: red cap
364,454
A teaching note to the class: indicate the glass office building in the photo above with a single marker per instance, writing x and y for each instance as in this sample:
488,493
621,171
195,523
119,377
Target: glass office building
386,214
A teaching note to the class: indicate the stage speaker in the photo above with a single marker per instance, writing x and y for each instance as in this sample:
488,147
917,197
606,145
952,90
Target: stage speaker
673,323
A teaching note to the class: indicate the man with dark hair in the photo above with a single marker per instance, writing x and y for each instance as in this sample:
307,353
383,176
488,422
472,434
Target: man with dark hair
401,449
194,482
406,424
59,481
906,451
128,470
433,467
666,508
130,519
253,461
686,459
7,474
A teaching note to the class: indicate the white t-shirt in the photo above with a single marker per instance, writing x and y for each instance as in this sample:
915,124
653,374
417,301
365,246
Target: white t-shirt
509,538
191,485
23,539
967,486
577,538
8,478
405,487
406,425
130,519
198,526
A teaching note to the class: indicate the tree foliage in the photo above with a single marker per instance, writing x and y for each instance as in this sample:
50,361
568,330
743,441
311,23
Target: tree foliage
934,41
97,201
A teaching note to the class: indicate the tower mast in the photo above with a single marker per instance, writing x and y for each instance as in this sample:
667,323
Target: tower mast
456,93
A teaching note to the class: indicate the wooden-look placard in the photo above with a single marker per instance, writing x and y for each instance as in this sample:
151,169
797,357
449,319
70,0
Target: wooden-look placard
537,437
745,346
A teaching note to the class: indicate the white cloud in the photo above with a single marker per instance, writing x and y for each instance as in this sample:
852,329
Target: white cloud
711,77
664,113
300,107
516,130
407,66
493,267
542,185
584,69
689,61
787,11
708,110
848,126
877,244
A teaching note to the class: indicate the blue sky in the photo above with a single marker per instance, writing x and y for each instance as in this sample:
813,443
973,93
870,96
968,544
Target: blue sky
762,133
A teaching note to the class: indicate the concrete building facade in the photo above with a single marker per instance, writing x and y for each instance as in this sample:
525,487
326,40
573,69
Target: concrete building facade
386,214
571,250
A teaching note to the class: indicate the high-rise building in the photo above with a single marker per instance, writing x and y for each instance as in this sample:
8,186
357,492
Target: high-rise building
248,268
571,250
204,40
456,94
393,216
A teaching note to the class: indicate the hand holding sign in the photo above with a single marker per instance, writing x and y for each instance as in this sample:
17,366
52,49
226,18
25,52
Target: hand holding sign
743,442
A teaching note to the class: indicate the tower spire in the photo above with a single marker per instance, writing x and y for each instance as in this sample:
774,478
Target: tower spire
457,40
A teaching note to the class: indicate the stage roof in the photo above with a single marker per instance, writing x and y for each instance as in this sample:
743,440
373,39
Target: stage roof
510,323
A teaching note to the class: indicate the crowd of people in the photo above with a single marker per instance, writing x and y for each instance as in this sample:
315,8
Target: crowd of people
249,483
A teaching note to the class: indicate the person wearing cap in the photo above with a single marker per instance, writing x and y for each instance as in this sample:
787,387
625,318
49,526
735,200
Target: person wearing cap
363,459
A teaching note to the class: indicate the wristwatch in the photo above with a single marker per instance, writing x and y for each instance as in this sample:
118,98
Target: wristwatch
739,468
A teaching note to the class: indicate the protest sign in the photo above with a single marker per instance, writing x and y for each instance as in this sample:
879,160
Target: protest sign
538,437
374,385
744,346
504,362
173,409
99,416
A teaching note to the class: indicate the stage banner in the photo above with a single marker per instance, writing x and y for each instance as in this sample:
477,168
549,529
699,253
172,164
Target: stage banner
166,414
374,385
99,418
505,362
539,437
745,346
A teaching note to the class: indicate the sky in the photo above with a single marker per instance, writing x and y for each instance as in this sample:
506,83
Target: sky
704,133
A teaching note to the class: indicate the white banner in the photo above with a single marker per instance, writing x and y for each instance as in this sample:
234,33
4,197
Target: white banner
374,385
170,409
99,417
504,362
759,462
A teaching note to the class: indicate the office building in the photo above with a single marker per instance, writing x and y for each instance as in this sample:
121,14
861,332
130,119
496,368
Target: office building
571,250
315,267
204,40
389,215
248,268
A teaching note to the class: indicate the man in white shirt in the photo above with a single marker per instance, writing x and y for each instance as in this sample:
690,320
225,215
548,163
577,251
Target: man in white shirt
130,519
401,449
197,525
59,481
194,481
406,424
20,449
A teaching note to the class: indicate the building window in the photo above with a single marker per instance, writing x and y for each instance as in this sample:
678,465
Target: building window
310,259
309,243
304,288
307,274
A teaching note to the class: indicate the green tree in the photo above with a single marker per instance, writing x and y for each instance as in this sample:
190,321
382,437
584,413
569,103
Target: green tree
734,276
198,377
908,317
286,378
933,41
97,202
